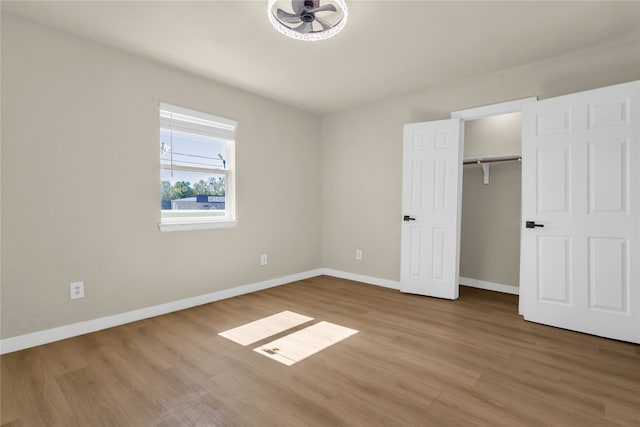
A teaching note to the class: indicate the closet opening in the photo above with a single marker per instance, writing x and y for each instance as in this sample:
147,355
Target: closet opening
491,203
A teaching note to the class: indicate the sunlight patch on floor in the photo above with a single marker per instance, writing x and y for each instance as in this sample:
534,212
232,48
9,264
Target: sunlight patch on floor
264,328
304,343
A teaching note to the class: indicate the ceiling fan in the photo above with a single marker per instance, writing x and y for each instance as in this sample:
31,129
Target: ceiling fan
305,14
308,19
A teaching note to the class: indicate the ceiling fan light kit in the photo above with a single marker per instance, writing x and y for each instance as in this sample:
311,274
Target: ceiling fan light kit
308,20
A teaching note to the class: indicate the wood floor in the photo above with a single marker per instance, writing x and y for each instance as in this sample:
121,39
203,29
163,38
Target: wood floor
416,361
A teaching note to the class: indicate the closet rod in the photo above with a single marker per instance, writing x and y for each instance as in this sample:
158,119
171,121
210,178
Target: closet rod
490,160
484,162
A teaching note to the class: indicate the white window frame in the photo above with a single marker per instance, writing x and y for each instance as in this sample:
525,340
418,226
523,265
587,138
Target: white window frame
199,123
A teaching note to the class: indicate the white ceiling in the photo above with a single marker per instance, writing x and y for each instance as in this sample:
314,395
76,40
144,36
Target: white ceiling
388,48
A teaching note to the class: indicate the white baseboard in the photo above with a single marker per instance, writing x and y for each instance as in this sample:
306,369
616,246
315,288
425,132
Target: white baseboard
392,284
21,342
490,286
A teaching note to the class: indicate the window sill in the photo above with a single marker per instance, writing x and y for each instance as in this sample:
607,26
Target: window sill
187,226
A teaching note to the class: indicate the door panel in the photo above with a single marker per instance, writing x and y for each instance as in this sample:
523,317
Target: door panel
608,275
580,181
554,275
432,176
552,189
608,176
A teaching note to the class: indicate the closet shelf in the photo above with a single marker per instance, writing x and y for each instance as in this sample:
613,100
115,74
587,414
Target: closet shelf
484,162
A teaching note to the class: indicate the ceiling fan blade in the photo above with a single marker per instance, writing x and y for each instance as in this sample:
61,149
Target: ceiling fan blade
324,23
298,6
325,8
287,17
305,28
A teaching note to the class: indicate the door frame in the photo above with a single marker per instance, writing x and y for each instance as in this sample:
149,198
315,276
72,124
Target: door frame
513,106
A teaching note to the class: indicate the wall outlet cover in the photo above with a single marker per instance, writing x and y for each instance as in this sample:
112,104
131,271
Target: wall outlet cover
76,290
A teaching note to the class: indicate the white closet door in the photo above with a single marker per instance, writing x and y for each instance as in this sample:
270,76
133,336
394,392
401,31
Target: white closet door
580,264
431,190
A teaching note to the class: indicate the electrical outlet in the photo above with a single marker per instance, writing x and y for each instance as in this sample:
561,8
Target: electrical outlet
76,290
359,254
264,260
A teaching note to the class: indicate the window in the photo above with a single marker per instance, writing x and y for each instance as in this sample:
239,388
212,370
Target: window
196,170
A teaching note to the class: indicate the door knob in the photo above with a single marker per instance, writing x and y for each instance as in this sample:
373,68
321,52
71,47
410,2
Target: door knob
532,224
408,218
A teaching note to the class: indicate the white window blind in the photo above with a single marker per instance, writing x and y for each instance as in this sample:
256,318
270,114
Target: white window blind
182,119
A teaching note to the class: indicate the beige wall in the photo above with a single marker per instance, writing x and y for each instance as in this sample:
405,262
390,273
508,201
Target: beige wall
493,136
490,230
362,147
80,184
80,190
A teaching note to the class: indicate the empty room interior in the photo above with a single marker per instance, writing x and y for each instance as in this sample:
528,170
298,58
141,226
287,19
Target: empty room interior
320,213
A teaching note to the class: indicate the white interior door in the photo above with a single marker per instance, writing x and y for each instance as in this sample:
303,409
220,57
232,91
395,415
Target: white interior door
580,182
431,198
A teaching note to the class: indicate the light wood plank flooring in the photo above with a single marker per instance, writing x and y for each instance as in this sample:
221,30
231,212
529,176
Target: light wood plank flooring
416,361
